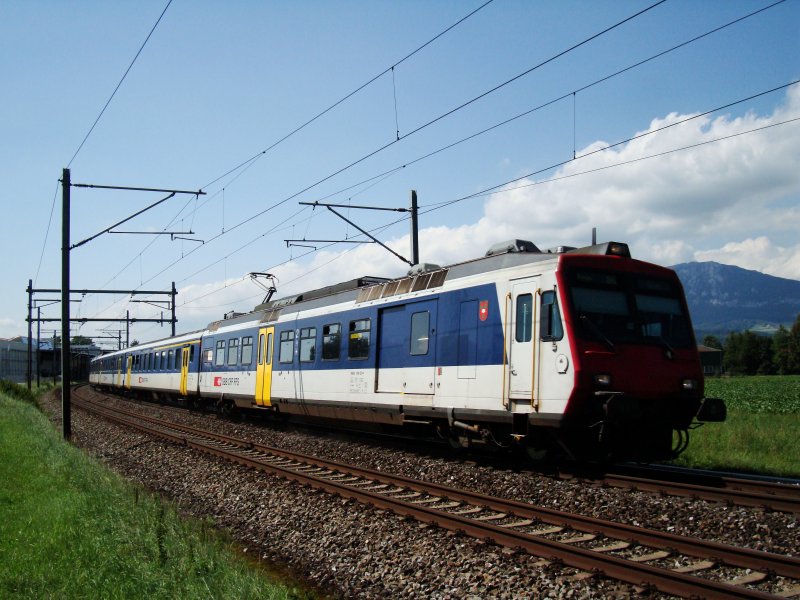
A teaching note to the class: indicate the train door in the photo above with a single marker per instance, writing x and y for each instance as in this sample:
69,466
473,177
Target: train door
266,341
185,370
407,348
118,381
524,341
128,368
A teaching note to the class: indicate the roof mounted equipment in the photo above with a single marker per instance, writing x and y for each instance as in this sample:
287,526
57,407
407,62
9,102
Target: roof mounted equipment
607,249
512,246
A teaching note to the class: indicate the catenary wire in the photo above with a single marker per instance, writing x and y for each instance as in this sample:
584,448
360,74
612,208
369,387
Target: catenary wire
247,164
550,167
347,96
493,190
585,87
46,233
130,66
442,116
553,101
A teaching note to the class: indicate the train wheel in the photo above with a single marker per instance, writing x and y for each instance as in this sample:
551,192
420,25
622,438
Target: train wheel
225,408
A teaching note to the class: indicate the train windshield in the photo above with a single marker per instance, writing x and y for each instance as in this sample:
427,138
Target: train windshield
615,307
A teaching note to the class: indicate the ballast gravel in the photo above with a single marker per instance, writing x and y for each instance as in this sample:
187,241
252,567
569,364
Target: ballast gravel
349,550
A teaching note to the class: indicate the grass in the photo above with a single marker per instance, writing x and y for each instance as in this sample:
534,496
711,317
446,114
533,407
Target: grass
71,529
761,432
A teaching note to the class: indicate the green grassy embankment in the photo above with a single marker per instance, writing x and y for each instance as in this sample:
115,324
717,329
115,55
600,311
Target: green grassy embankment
69,528
761,432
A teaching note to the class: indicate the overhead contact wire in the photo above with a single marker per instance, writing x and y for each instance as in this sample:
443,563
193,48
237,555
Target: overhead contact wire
348,95
91,129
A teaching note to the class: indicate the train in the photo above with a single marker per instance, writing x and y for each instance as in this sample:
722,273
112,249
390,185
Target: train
584,353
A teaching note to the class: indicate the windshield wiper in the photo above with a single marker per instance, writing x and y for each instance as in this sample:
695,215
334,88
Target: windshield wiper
598,332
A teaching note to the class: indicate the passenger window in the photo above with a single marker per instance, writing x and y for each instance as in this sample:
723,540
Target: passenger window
233,351
524,317
247,350
552,329
269,348
287,347
220,357
308,344
358,344
171,360
420,324
209,355
261,349
331,341
164,360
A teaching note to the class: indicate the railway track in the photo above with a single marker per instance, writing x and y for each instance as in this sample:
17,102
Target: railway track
670,563
688,483
738,491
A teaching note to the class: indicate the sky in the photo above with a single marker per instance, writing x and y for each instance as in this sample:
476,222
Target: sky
534,119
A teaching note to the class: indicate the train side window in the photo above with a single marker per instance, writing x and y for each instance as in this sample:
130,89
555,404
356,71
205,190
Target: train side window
358,343
552,329
261,349
331,341
191,353
287,347
164,360
524,318
171,360
219,359
269,348
209,355
247,350
308,344
420,329
233,351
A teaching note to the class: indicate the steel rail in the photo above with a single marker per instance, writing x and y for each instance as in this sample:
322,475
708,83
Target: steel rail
619,568
780,498
787,492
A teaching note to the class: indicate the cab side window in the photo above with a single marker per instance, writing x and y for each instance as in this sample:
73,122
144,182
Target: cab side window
552,329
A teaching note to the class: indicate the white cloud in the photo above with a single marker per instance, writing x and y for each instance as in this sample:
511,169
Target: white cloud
11,327
668,208
758,254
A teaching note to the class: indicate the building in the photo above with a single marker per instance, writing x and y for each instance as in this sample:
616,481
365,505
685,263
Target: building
14,359
711,359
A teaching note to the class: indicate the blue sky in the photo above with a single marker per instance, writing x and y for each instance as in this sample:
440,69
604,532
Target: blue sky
218,83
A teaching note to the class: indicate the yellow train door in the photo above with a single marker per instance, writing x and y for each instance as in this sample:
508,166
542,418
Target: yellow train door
264,366
184,370
118,382
128,368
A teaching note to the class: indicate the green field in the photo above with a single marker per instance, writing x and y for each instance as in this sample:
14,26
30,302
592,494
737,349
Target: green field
762,430
69,528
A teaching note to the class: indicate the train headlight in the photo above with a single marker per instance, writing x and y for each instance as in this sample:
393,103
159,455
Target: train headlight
689,385
602,380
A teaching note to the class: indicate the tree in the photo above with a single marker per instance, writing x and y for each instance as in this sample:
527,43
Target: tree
747,353
81,340
793,348
780,350
712,341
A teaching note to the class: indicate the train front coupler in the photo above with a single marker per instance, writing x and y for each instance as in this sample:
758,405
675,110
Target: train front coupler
712,410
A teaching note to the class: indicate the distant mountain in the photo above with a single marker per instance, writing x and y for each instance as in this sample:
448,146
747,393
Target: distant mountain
724,298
